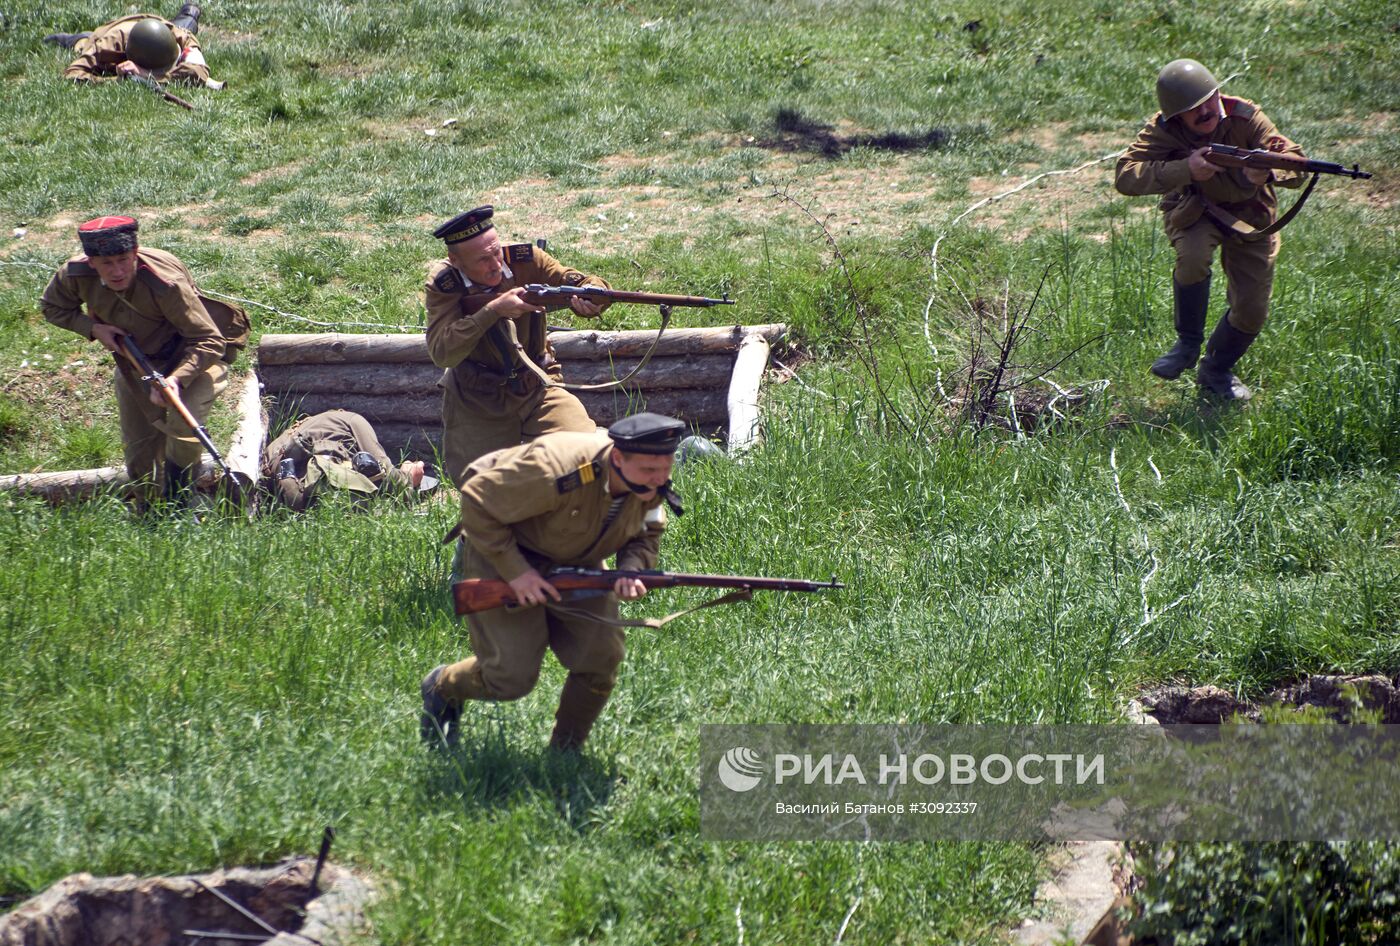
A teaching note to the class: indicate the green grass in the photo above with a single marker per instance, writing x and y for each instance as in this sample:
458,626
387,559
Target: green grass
183,696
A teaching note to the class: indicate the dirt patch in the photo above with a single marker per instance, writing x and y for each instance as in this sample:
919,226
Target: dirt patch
224,37
57,237
1042,203
274,173
282,905
1057,136
1340,697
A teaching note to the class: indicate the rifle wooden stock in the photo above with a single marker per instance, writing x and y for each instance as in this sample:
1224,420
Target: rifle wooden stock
171,392
484,594
1228,156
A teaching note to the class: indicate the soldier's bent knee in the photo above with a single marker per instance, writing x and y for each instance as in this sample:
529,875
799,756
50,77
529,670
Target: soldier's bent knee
1248,319
1192,265
507,688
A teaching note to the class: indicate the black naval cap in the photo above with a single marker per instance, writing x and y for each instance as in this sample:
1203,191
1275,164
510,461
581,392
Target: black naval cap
465,226
655,434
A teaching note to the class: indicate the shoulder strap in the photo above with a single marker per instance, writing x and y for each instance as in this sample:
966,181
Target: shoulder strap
1237,227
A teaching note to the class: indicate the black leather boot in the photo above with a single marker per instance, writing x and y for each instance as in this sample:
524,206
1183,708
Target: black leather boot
66,40
188,17
178,485
580,705
441,721
1190,303
1226,346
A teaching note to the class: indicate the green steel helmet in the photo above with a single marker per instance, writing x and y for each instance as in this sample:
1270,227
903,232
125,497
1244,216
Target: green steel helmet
152,45
1182,85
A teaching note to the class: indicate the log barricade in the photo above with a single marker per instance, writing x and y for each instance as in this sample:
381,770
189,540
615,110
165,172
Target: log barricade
391,380
707,377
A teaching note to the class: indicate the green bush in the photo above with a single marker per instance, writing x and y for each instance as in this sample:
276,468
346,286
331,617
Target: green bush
1330,894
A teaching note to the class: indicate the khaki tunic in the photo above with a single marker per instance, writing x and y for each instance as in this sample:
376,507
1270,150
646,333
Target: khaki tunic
333,437
164,316
100,53
537,505
489,402
1156,163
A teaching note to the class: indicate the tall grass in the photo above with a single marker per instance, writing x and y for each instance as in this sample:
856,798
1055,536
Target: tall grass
183,695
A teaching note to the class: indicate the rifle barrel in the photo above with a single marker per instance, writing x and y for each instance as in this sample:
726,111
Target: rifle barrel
621,295
660,579
1231,156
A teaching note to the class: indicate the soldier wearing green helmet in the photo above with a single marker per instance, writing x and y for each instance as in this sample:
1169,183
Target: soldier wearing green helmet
141,45
1168,159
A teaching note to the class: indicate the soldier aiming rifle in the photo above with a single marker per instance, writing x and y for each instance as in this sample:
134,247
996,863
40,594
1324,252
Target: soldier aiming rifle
486,326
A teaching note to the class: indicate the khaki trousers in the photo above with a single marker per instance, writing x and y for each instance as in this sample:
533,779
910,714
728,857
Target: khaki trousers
1249,269
509,645
151,434
469,432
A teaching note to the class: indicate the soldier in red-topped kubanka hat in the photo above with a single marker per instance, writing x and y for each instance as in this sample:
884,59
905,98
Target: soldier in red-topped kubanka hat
116,287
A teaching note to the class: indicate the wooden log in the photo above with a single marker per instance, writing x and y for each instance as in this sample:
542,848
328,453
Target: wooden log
63,485
693,405
332,348
586,344
415,441
661,373
67,485
674,371
706,405
742,399
589,345
245,452
350,378
423,409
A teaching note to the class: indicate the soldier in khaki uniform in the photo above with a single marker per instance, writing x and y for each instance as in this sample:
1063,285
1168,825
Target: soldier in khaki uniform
150,295
562,499
139,45
489,401
336,450
1167,158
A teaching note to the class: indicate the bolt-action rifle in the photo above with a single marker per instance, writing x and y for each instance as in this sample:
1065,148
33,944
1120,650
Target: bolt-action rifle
1228,156
170,391
547,298
483,594
551,298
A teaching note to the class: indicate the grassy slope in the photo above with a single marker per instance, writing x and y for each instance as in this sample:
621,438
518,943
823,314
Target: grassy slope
258,681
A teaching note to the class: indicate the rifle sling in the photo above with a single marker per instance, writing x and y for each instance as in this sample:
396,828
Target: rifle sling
740,594
1236,227
528,363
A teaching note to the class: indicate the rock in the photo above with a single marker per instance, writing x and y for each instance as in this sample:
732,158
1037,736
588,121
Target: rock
1198,706
1342,694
